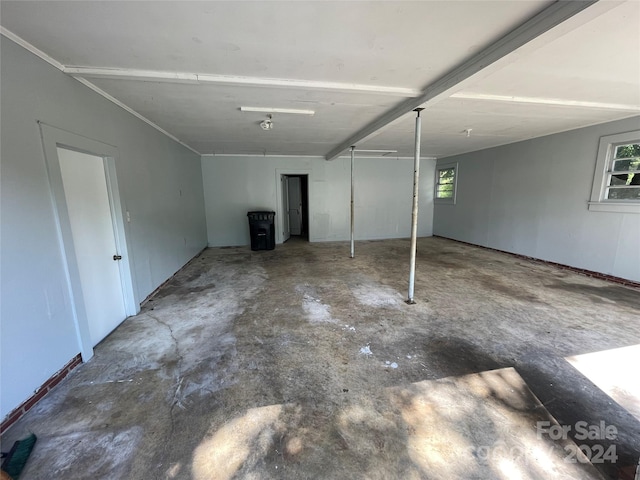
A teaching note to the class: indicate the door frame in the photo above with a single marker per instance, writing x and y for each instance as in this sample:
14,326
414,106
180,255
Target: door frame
298,208
284,186
279,213
52,139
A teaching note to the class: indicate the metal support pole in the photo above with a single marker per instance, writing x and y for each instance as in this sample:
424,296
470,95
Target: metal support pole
352,210
414,210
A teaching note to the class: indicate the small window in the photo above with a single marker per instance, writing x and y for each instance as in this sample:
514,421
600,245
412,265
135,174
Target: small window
616,185
623,180
446,179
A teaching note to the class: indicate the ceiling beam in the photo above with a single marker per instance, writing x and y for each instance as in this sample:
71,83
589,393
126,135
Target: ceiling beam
234,80
550,17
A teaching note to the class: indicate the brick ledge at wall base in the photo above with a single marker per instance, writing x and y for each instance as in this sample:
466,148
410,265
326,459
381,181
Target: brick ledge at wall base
40,392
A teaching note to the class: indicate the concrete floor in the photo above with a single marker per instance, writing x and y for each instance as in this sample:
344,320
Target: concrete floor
303,363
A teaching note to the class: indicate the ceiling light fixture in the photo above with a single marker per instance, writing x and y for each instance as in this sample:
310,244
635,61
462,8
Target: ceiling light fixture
277,110
267,124
467,131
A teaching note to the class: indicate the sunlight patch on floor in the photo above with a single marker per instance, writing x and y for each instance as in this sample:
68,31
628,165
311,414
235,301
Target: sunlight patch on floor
613,372
220,456
483,424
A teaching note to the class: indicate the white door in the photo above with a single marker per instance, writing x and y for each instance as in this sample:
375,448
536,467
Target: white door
87,198
295,206
286,230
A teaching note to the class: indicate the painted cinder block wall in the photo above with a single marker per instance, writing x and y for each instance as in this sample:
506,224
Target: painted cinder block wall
38,335
531,198
234,185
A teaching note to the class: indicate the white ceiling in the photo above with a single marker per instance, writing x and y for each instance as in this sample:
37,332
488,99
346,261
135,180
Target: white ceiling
189,66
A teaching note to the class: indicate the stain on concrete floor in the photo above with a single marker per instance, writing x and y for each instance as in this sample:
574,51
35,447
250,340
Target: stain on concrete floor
258,354
612,294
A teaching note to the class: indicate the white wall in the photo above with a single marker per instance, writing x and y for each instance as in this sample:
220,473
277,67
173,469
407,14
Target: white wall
167,228
531,198
384,189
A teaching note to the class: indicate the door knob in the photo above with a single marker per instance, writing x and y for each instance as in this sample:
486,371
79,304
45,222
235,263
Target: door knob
117,257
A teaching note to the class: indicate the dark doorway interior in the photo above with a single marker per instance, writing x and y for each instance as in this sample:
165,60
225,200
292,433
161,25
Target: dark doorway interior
298,205
304,186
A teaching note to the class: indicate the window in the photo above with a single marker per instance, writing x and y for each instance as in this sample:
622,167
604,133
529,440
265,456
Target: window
446,179
623,182
616,184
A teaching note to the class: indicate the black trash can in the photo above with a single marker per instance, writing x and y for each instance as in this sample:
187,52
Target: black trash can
262,230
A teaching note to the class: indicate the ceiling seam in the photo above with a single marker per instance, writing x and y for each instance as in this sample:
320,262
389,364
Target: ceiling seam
275,155
235,80
544,101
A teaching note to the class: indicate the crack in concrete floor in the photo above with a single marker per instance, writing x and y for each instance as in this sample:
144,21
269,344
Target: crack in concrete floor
178,381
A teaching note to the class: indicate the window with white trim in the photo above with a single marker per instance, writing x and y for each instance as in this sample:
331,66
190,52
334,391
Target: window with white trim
446,181
616,184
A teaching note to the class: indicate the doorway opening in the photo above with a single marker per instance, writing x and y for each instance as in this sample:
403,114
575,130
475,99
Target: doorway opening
295,207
